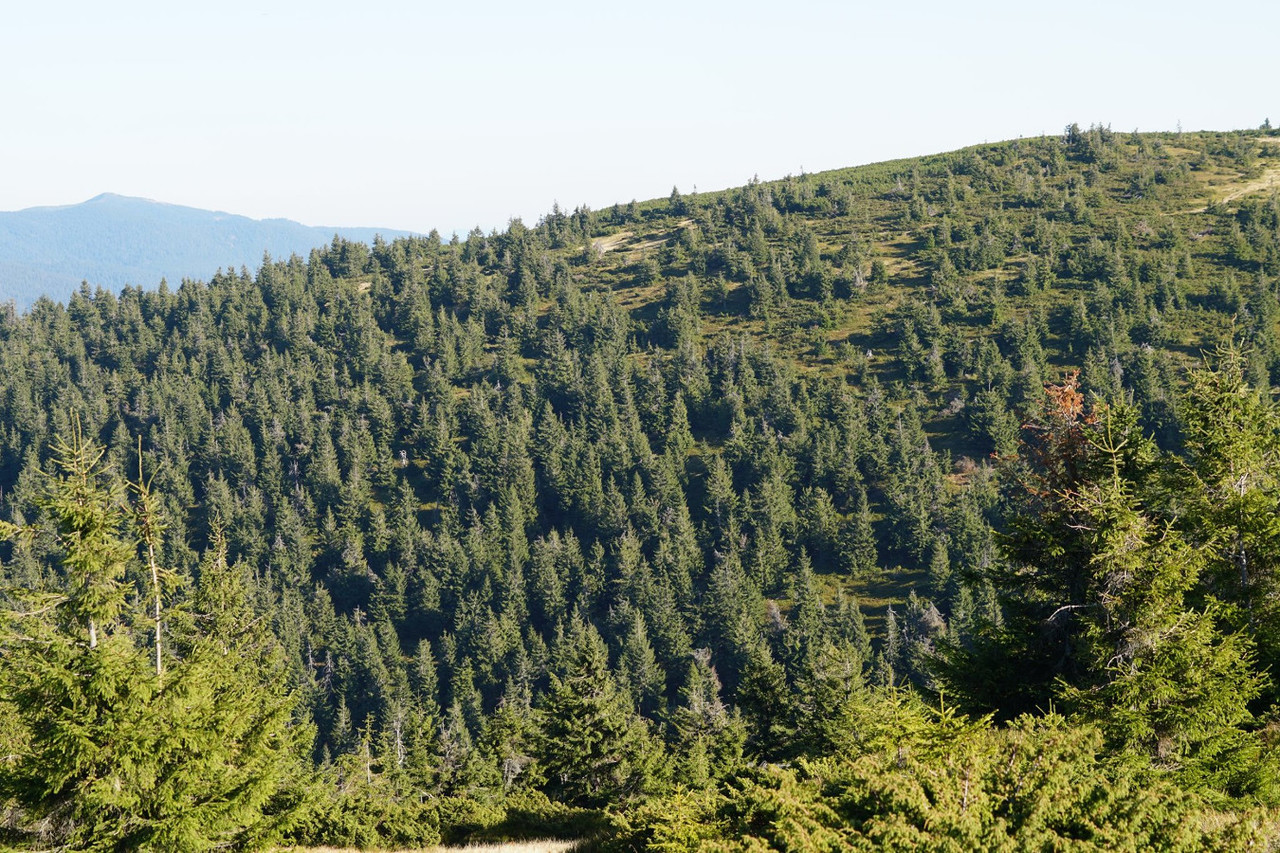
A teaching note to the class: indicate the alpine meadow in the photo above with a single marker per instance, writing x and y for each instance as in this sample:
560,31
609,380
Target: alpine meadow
926,505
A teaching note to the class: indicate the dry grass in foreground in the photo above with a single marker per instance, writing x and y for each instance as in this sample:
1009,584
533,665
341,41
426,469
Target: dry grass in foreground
545,846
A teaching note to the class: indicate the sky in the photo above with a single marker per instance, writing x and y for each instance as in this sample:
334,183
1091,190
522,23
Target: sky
421,115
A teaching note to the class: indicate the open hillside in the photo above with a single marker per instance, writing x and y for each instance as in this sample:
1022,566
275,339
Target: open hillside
781,512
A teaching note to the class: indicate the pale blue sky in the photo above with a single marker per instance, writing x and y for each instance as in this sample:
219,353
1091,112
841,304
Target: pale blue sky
418,115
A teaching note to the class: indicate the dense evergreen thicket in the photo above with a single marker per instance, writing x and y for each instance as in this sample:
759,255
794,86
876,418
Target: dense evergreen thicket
928,503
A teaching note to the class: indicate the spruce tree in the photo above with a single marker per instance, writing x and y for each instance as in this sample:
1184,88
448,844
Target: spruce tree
1162,678
230,770
120,753
593,748
1233,441
81,689
860,539
710,736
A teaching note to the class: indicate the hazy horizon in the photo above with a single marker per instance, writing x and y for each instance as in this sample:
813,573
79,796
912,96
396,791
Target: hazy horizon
403,116
160,201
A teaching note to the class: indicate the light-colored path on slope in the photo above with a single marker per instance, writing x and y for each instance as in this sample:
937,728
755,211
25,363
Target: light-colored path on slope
627,240
1268,180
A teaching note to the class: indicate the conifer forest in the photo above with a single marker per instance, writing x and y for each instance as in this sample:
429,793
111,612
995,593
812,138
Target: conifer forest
926,505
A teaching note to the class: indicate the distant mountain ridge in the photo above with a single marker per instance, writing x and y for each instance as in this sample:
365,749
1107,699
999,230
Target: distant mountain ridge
113,240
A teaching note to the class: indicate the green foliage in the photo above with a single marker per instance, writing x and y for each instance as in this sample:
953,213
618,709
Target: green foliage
593,749
1233,445
118,753
365,817
611,506
948,783
1161,677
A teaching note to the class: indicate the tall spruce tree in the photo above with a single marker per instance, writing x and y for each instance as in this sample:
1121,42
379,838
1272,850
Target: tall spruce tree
121,753
594,749
1233,488
1160,676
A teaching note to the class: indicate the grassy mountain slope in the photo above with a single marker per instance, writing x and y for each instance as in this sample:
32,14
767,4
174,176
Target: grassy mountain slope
1156,200
1160,236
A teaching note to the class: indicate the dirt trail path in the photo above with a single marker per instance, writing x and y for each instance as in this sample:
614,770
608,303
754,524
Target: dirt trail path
628,241
1268,180
612,242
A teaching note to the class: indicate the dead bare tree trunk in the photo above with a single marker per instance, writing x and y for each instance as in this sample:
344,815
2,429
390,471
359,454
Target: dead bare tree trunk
150,529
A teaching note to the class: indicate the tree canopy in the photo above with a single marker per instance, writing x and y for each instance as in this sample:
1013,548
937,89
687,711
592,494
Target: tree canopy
930,502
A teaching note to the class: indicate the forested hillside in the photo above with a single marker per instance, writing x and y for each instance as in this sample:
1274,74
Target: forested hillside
926,503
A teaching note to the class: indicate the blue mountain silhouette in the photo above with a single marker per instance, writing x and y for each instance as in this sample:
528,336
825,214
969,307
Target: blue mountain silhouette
113,240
